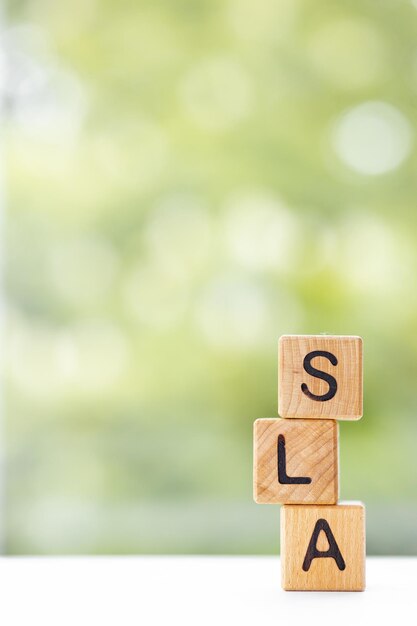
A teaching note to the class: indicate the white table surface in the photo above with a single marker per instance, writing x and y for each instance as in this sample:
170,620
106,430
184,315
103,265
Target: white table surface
194,591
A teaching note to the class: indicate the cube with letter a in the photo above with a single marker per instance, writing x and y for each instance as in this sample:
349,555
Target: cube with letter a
320,376
323,547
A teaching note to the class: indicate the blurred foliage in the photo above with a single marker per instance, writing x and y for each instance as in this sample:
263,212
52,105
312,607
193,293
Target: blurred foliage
186,181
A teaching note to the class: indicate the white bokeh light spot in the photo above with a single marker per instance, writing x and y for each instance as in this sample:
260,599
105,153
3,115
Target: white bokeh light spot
260,231
85,358
374,259
349,52
177,235
154,298
216,93
232,313
82,270
373,138
261,21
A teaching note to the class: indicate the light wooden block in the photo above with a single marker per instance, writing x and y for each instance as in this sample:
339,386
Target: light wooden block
295,461
323,547
320,376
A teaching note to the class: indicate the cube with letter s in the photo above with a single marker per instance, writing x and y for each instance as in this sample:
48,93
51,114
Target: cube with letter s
320,377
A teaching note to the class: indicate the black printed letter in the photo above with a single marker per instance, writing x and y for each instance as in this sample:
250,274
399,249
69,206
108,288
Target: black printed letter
333,551
319,374
282,467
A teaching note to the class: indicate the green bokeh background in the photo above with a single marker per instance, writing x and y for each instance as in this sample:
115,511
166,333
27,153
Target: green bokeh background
186,181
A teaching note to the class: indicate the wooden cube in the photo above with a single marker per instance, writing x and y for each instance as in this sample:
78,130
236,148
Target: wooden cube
323,547
320,376
295,461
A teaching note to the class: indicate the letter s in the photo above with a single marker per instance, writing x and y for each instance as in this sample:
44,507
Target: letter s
330,380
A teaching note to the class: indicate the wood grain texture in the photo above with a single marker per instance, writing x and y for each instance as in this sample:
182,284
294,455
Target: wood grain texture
346,403
347,524
311,450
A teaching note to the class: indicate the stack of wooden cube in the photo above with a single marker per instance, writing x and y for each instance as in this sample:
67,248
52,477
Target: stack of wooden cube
296,463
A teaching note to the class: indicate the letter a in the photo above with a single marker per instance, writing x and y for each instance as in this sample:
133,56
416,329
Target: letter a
314,553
